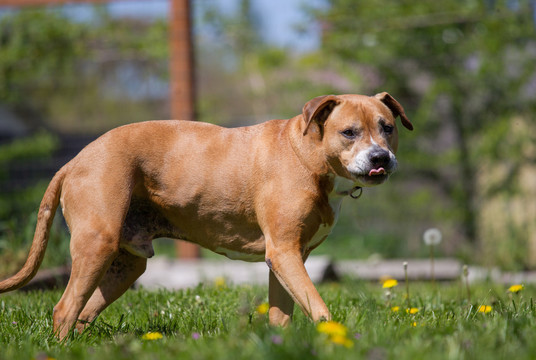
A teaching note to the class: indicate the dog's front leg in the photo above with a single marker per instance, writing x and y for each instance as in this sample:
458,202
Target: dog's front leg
281,304
289,270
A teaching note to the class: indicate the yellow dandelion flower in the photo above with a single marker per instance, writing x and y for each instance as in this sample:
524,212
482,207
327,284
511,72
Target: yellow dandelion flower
412,310
389,283
332,328
484,309
219,282
341,340
414,324
516,288
395,308
152,336
263,308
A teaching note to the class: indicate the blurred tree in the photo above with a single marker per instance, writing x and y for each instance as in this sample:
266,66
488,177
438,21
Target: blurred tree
78,76
36,48
67,76
243,79
460,68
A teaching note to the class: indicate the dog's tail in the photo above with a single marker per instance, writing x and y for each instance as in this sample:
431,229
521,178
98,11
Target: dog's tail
47,210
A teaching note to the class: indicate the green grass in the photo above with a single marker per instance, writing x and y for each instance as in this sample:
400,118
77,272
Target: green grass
229,327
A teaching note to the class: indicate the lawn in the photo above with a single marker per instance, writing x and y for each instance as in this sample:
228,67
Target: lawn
219,321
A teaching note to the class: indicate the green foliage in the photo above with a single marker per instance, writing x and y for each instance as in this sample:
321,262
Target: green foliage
40,145
82,76
242,79
18,208
36,48
16,205
127,38
17,232
211,322
463,71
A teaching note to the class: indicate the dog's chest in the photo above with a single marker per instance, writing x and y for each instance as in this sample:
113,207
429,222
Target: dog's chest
335,198
325,229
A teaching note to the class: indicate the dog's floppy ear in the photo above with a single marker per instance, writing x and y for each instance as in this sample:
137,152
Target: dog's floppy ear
395,108
318,110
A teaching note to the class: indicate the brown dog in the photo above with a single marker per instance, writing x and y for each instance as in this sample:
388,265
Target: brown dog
267,192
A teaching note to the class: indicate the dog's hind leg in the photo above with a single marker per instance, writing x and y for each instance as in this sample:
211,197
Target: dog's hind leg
125,269
95,199
92,254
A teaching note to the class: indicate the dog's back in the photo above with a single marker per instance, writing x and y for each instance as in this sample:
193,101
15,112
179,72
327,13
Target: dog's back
180,177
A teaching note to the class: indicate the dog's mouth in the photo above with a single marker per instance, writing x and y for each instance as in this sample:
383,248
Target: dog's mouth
377,172
375,176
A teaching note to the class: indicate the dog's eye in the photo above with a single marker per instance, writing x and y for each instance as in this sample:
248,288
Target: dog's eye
388,129
349,133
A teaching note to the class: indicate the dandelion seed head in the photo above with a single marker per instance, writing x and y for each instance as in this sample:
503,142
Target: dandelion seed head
432,237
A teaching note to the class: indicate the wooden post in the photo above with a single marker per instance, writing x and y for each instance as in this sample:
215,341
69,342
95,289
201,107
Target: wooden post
182,96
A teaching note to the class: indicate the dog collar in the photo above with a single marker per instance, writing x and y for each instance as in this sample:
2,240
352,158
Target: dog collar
356,192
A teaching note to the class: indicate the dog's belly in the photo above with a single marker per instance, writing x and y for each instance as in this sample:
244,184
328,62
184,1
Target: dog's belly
238,255
234,242
145,221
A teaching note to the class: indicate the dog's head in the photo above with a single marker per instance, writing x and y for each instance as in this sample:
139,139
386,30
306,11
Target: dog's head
358,134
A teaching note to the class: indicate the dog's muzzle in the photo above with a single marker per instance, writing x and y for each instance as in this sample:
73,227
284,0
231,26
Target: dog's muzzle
374,166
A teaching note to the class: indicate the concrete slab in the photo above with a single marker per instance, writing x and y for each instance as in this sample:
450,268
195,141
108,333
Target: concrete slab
178,274
418,269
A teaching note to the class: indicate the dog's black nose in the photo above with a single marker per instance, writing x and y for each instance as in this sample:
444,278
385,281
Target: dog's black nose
379,158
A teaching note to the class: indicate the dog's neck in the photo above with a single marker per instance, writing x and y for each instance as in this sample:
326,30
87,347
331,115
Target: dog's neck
306,149
346,187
